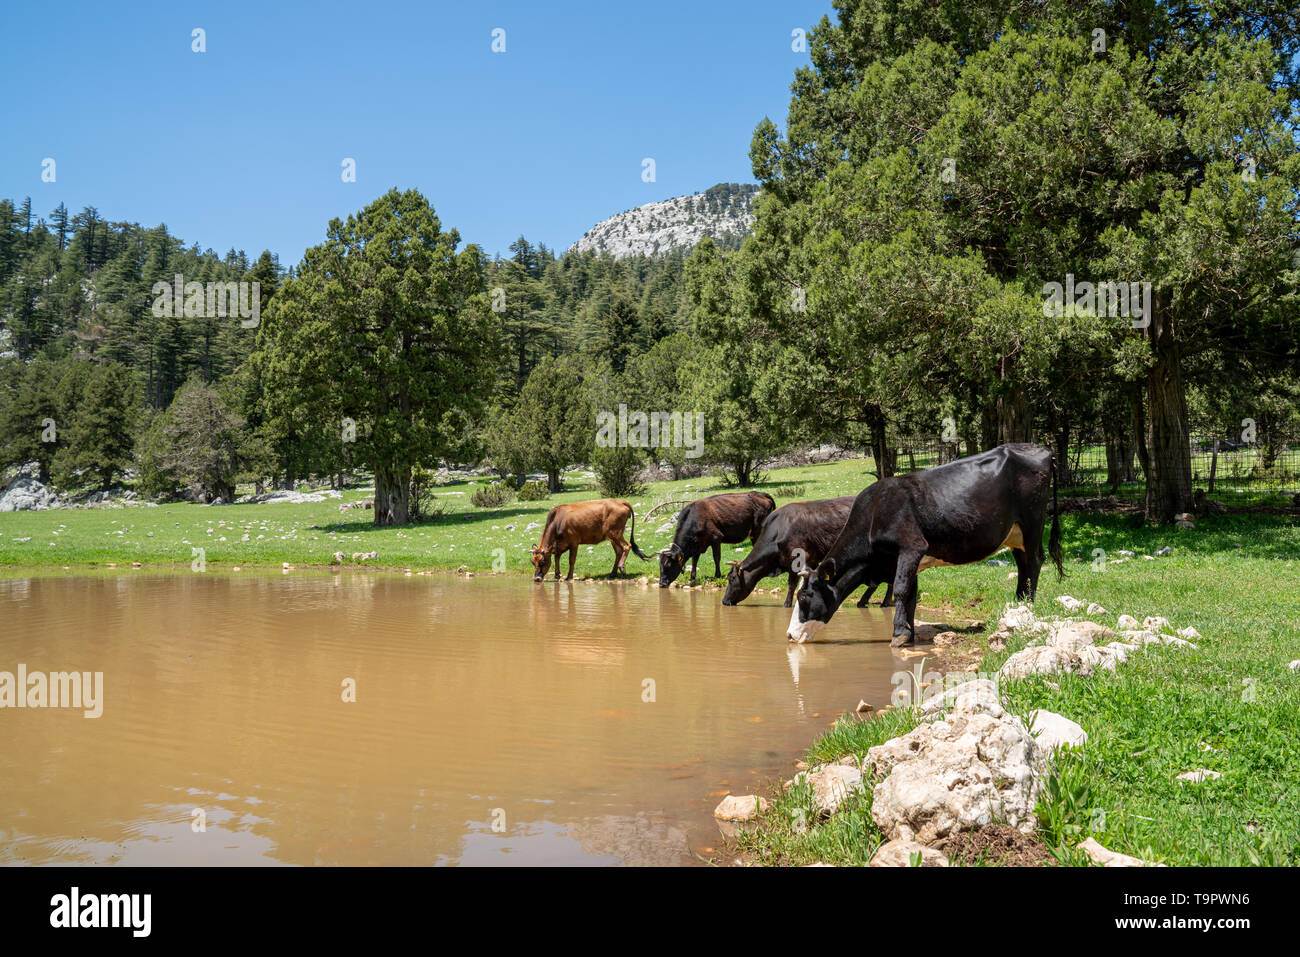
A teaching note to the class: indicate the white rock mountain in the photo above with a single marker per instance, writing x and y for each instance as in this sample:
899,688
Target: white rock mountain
724,211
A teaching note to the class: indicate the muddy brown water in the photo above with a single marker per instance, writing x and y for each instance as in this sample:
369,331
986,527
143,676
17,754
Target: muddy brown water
496,721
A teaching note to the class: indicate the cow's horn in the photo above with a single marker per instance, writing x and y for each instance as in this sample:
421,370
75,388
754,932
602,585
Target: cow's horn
733,563
665,551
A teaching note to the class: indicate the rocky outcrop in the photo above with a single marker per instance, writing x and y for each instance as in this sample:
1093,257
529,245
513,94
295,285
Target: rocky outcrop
979,696
26,494
971,763
1042,660
723,210
959,773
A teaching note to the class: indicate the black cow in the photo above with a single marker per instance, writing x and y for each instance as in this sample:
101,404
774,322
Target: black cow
710,523
953,514
794,537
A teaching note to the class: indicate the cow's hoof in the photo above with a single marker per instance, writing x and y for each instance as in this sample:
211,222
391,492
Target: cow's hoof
898,641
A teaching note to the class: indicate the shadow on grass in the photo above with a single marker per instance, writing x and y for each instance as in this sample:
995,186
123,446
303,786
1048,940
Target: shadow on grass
450,519
1256,536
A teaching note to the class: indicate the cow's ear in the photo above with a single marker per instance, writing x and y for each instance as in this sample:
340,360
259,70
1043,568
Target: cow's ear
827,570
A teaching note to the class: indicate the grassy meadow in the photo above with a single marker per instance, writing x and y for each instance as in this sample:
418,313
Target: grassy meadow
310,533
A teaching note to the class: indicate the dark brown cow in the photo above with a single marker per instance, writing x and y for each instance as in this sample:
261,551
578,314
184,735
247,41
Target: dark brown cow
585,523
795,537
710,523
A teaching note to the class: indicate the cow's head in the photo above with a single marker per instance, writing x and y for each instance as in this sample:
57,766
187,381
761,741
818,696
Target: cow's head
738,585
816,603
671,562
541,562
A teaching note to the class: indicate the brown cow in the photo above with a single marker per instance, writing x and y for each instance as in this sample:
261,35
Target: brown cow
585,523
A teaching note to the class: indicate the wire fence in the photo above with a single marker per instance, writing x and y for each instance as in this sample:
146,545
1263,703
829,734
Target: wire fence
1222,461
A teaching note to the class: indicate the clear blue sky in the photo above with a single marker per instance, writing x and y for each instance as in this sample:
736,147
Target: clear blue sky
241,146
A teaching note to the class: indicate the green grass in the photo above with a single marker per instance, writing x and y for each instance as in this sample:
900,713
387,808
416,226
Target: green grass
310,533
1236,579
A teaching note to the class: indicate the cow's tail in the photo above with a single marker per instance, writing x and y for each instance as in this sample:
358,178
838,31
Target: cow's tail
1054,539
631,537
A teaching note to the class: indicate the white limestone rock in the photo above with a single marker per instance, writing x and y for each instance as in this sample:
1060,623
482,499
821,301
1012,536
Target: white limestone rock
1053,731
1109,858
902,853
1042,660
26,495
957,774
740,807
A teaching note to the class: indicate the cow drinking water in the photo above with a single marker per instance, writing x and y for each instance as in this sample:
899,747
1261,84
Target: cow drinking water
795,537
585,523
952,514
710,523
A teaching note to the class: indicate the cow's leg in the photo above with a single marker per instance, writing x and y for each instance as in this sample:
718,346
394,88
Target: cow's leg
789,592
888,600
1032,534
621,548
1023,587
558,557
1035,566
909,564
573,557
695,563
717,560
866,595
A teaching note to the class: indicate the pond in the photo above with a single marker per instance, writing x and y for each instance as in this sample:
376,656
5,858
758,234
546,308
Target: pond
493,721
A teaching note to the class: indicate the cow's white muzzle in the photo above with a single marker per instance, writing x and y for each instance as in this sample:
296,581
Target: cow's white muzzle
801,631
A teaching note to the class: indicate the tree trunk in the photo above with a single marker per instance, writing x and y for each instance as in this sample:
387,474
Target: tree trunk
1119,453
880,450
1014,422
1169,479
1140,431
553,480
1266,437
393,495
1063,471
988,427
1013,418
744,467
